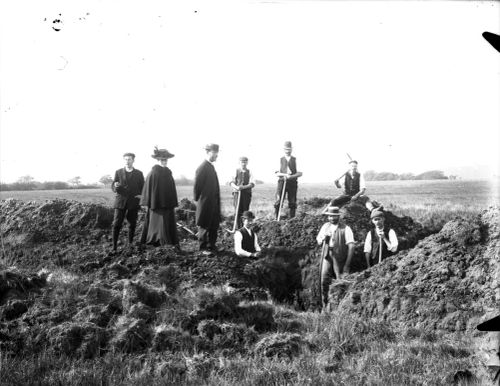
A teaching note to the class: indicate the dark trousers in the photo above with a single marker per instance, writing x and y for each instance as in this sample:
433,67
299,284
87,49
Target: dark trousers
345,198
207,237
290,194
245,199
329,270
119,216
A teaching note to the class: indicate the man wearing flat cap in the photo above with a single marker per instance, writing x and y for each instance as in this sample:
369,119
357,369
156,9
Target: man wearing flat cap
127,185
242,185
288,175
160,197
379,235
245,239
354,189
337,251
207,195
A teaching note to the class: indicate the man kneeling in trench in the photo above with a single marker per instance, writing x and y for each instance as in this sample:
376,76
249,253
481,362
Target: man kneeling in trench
337,251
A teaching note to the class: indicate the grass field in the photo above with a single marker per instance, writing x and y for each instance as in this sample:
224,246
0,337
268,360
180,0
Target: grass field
431,202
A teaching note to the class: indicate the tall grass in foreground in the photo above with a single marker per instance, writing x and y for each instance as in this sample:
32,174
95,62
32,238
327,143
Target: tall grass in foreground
338,349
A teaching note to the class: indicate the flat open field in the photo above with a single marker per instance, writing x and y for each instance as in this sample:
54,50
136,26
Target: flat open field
430,202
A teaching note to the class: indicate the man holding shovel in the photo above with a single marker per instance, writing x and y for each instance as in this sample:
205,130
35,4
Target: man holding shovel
337,250
242,185
379,235
287,182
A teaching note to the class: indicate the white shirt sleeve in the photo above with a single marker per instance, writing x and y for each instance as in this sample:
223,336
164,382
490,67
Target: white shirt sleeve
393,240
368,243
251,180
238,238
256,243
349,237
362,183
322,233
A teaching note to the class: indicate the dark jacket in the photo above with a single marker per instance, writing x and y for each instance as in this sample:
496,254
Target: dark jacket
376,244
131,187
207,194
159,190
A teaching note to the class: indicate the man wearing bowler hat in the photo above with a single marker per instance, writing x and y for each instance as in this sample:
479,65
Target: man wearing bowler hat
207,195
127,185
337,251
242,185
245,239
380,234
288,175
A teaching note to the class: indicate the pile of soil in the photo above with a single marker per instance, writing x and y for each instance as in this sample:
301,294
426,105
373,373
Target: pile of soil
449,281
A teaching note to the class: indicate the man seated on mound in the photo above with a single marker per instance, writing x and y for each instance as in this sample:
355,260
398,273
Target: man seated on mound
354,189
245,240
380,233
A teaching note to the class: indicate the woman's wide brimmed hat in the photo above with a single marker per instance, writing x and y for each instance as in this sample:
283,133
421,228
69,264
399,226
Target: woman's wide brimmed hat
162,154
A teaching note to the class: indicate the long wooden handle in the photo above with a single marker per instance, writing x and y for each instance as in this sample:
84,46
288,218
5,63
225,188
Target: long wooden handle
236,211
282,198
380,249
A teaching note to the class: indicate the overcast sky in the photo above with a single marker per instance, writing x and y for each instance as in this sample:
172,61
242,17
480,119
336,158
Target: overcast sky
400,86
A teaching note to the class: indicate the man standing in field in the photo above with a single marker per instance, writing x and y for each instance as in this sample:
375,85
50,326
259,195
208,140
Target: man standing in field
245,239
127,185
337,250
207,195
379,236
288,175
354,189
242,185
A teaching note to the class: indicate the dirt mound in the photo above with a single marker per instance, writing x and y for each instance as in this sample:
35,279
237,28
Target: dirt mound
449,281
290,270
53,220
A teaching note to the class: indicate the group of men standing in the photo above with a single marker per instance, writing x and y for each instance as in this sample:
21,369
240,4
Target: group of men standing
158,194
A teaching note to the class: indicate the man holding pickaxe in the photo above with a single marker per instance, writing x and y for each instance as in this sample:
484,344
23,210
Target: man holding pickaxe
354,188
287,183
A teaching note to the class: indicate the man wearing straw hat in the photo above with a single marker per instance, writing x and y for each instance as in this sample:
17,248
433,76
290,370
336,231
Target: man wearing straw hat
242,185
380,233
127,185
207,195
245,239
337,251
287,183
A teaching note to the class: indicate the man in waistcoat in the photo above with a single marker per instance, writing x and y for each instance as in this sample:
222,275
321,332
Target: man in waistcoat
379,234
337,242
242,185
207,195
127,185
245,239
354,189
288,172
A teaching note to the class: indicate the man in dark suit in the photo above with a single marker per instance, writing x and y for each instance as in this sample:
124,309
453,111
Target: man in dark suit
127,185
288,175
207,195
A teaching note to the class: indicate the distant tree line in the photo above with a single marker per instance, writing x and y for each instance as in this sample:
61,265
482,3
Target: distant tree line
28,183
372,175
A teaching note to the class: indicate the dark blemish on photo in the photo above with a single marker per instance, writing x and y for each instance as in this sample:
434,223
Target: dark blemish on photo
493,39
57,25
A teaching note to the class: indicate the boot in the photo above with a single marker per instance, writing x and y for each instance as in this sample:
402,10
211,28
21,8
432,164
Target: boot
276,211
292,212
131,232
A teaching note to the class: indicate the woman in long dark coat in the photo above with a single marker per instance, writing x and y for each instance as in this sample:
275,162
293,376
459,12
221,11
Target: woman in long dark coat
159,195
